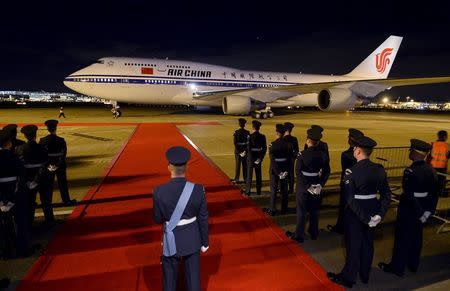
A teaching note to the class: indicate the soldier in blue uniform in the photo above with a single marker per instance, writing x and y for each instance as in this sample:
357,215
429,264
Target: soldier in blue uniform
280,152
417,203
321,145
12,199
35,160
11,129
295,150
312,170
363,182
256,148
240,138
56,148
347,161
180,206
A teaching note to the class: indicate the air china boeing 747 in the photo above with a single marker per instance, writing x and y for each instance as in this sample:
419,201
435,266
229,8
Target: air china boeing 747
154,81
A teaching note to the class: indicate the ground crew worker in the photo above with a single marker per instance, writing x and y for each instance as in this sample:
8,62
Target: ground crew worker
347,161
12,199
417,203
295,149
256,148
312,170
240,138
35,160
180,206
61,112
438,159
280,152
362,213
11,129
323,146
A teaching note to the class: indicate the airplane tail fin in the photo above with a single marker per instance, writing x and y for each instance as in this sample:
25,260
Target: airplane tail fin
379,63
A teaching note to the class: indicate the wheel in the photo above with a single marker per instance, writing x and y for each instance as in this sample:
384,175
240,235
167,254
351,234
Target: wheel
257,115
271,114
265,115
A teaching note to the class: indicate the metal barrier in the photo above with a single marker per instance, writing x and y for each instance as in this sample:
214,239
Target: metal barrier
393,159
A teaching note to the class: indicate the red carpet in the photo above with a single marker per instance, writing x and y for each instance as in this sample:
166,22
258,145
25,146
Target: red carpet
112,244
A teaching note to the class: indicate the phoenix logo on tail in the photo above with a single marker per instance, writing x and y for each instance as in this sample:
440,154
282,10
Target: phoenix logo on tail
382,60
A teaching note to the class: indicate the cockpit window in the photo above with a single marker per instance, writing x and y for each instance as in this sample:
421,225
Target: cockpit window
101,62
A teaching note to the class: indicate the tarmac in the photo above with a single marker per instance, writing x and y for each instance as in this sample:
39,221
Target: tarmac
91,148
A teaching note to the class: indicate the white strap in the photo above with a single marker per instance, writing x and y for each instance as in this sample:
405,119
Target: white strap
32,166
281,160
365,197
420,194
256,149
55,155
185,221
241,143
8,179
308,174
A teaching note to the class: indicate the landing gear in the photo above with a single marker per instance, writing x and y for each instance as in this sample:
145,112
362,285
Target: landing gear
263,114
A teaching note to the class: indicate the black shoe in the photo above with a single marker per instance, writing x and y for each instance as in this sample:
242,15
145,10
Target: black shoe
270,211
71,202
292,236
339,279
388,269
334,228
4,283
412,270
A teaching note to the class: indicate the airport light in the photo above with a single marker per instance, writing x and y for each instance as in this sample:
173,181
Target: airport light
385,100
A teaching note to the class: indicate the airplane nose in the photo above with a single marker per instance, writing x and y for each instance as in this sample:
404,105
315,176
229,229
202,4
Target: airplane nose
68,81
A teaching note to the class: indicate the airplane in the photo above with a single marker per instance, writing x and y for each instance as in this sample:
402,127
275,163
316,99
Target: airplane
239,92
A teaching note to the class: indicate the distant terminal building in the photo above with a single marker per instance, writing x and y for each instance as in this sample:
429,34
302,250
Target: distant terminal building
42,96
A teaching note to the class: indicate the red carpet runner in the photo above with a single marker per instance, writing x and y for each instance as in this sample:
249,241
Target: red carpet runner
111,243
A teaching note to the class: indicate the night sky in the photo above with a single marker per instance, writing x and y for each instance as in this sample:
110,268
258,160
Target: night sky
41,43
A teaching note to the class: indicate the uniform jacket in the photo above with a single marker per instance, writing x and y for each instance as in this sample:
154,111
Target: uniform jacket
257,140
347,161
55,144
240,138
366,178
191,237
32,153
323,146
280,149
11,166
312,160
294,144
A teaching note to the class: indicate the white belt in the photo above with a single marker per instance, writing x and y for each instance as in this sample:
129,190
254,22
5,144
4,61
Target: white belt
185,221
241,143
55,155
420,194
32,166
281,160
308,174
256,149
365,197
8,179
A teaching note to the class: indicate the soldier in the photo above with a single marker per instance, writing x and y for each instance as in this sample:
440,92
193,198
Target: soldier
256,148
417,203
240,138
11,129
347,161
312,170
280,152
295,150
323,146
12,198
438,159
181,207
35,160
362,213
56,148
4,283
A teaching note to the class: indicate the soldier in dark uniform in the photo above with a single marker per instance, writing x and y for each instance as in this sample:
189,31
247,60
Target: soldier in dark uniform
256,148
35,160
240,138
11,129
12,199
362,213
280,152
312,170
56,148
321,145
417,203
180,206
347,161
295,150
4,283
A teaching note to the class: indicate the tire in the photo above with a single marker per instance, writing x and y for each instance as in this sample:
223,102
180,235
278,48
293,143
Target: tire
271,114
257,115
264,115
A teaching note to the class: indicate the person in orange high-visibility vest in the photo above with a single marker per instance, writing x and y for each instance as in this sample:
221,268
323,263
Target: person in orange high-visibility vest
439,160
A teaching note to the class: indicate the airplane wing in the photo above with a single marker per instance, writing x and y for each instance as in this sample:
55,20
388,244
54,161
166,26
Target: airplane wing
369,87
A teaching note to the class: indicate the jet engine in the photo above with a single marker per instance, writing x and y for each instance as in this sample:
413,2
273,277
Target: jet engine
240,105
336,99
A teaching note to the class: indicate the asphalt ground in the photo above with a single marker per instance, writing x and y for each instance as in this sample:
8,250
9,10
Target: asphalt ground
91,148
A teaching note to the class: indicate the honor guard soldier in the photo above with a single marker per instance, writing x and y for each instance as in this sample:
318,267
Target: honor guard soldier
295,150
321,145
12,199
438,159
312,170
256,148
417,203
280,152
57,150
11,129
180,206
240,138
35,160
347,161
363,182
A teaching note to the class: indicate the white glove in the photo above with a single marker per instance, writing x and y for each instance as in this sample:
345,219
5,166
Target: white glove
258,161
315,189
52,168
425,216
204,249
32,184
374,220
283,175
7,207
243,154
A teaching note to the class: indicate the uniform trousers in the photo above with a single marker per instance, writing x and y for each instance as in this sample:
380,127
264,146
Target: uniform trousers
171,266
240,162
278,184
61,176
250,166
307,204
